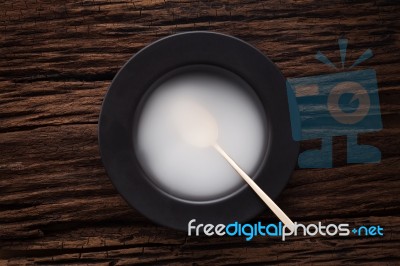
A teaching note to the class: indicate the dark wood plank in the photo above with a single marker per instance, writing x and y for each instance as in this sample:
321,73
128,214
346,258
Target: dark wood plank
57,60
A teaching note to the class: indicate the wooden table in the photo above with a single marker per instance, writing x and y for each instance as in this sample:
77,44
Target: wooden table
57,206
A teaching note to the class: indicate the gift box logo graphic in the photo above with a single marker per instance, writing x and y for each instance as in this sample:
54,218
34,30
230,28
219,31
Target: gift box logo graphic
339,104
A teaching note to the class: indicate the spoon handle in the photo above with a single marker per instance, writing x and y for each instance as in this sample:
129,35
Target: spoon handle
270,203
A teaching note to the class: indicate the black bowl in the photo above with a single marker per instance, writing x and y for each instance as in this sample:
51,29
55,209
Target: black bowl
122,106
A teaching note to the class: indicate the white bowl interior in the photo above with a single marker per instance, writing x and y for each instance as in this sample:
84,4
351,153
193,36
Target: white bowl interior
194,173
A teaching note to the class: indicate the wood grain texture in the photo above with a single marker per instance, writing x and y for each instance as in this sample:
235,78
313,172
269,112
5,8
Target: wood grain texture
57,59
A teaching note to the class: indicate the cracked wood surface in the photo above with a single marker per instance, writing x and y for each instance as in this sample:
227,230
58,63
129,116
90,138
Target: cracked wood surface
57,59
